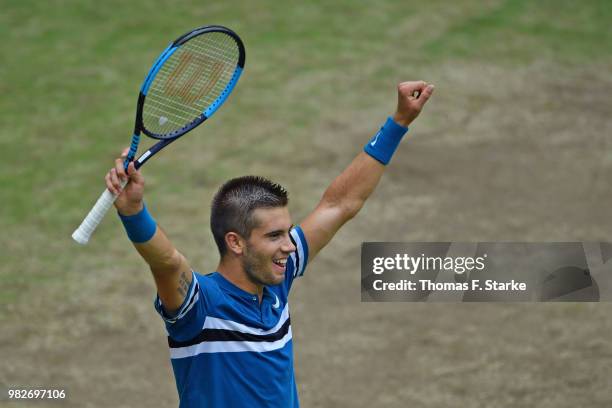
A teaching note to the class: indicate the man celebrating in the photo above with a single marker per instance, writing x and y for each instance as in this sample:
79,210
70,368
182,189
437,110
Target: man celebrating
229,332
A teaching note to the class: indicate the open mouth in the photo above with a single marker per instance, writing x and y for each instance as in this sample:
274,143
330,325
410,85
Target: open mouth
280,263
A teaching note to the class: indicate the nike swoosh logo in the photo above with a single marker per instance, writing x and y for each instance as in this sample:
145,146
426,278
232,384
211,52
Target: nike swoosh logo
375,139
277,304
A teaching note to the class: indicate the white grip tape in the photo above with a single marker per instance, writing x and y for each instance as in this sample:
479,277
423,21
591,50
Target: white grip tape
90,223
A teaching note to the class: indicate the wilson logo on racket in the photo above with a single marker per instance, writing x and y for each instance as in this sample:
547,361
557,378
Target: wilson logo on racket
183,82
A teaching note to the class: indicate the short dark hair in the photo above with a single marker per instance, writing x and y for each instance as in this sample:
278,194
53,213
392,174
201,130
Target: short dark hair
234,203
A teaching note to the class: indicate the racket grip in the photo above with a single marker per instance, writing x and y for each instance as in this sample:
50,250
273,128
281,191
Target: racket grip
93,219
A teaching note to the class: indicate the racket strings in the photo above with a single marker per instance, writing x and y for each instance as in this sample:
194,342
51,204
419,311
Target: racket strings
178,96
189,82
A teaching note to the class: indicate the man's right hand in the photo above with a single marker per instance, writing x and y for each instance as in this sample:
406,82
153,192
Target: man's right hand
129,201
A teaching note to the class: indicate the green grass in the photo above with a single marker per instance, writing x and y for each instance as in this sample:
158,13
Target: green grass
519,31
72,69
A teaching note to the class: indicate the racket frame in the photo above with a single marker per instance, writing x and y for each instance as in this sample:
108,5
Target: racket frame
165,140
83,233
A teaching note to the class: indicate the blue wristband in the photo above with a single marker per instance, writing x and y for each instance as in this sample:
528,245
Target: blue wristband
383,144
140,227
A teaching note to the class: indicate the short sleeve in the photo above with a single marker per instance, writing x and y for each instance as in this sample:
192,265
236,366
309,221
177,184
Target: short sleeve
298,259
188,321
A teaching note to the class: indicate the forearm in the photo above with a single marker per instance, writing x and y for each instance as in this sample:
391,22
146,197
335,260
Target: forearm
354,185
159,253
150,240
358,181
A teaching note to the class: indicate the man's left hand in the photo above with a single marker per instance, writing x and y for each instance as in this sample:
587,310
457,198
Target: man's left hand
411,97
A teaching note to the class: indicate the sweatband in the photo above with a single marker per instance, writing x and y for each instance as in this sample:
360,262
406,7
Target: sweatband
140,227
383,144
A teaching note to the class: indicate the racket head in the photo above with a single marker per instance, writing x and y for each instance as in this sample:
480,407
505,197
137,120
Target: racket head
189,81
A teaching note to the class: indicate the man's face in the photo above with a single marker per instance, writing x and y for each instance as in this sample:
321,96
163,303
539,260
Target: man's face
269,246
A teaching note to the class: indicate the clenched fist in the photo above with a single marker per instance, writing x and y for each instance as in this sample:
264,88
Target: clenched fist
411,97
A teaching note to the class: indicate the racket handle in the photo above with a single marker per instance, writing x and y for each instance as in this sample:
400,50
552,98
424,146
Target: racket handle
93,219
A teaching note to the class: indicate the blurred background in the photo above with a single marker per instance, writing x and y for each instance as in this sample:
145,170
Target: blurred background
515,145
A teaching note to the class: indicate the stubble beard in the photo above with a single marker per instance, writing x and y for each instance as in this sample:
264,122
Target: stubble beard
255,269
251,266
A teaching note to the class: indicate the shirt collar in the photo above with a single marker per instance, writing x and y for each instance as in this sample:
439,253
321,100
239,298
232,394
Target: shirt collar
235,290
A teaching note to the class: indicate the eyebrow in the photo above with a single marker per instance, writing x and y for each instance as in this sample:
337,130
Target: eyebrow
279,231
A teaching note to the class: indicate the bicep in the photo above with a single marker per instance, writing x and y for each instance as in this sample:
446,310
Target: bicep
321,226
186,321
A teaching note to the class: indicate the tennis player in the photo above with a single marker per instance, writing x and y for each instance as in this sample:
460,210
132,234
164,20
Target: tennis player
229,331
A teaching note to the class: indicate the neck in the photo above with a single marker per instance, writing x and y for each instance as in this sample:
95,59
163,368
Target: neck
231,269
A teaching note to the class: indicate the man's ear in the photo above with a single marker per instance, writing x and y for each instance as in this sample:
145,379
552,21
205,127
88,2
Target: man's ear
235,243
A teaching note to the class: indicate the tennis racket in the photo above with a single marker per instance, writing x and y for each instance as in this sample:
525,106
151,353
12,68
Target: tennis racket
186,85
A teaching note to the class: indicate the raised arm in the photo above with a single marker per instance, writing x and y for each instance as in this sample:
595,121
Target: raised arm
170,269
347,193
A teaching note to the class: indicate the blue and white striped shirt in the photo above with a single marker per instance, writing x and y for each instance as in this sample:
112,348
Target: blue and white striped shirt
227,349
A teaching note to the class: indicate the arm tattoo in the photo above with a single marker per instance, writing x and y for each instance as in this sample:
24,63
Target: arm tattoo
183,284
